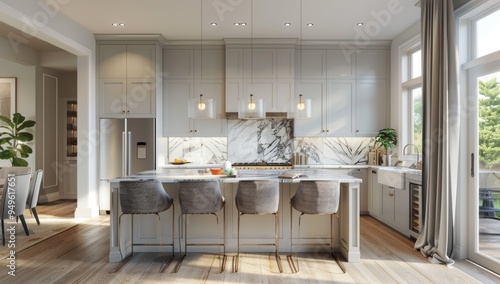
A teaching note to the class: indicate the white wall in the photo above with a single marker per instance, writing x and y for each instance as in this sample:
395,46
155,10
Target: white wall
26,90
36,18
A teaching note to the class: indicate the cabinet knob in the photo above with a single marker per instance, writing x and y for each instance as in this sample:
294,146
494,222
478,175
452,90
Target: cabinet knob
195,130
374,172
190,130
357,130
391,194
327,130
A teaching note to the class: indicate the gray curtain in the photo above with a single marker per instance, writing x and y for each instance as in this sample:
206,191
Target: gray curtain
441,129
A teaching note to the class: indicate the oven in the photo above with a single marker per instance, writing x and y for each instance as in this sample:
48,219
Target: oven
262,166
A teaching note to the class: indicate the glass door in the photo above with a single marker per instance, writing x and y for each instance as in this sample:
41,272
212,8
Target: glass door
484,198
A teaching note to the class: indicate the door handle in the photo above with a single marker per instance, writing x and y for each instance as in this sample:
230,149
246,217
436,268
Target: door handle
472,164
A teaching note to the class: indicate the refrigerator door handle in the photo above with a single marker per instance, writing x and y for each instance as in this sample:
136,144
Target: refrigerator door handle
124,155
129,154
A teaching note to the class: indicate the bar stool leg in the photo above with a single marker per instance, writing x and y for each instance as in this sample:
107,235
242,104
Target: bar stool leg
168,260
276,242
290,256
179,224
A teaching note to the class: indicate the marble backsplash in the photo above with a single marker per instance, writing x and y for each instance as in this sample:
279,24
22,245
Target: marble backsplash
269,140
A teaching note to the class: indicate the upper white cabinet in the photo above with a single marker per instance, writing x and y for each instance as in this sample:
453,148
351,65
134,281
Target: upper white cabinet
186,76
353,96
267,73
127,80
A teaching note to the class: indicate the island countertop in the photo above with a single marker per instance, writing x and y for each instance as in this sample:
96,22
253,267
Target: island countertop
174,175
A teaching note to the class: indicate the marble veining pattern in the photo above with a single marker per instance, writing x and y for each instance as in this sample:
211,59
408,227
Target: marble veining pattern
334,150
268,140
205,150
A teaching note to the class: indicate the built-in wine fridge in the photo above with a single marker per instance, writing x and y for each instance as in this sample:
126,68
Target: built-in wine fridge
415,206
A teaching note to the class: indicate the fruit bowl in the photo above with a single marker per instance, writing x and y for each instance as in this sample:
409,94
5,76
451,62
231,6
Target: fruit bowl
216,171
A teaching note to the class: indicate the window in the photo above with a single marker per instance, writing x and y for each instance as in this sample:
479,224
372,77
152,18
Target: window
486,34
412,99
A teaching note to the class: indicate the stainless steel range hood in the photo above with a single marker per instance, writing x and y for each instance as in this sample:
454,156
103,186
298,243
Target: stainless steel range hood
269,115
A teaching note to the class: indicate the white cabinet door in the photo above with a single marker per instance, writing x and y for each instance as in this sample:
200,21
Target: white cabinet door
261,89
175,106
370,107
339,107
371,64
209,64
112,61
285,63
178,64
313,64
141,98
234,92
341,64
363,189
375,195
141,61
211,89
388,210
234,63
112,94
316,125
263,63
402,210
285,89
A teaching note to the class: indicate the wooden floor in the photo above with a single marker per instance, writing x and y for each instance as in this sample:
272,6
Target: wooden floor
80,255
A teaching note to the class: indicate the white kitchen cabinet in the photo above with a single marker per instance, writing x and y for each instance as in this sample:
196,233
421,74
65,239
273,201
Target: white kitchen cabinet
186,78
370,107
267,73
332,103
363,189
388,204
374,194
312,64
372,64
341,64
127,80
402,210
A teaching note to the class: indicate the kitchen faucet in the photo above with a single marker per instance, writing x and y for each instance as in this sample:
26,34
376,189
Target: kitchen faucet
417,165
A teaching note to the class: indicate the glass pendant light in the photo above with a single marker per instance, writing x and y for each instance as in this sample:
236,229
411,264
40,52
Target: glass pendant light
252,108
201,108
301,108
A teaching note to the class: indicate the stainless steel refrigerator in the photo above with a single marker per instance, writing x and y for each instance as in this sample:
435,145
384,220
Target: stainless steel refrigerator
127,146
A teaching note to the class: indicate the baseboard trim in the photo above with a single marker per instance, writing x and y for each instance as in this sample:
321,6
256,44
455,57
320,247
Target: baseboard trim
49,197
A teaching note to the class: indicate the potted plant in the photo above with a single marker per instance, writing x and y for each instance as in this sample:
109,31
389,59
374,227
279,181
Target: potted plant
13,136
388,139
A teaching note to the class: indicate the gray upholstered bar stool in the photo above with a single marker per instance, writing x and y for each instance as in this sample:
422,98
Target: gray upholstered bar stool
145,197
314,198
201,197
258,197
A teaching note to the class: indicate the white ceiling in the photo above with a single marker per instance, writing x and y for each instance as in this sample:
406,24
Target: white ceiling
181,19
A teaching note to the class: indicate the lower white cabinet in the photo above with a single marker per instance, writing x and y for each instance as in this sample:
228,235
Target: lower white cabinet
388,204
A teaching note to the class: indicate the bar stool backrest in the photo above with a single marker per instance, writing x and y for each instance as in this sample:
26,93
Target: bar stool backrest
258,197
317,197
200,196
143,197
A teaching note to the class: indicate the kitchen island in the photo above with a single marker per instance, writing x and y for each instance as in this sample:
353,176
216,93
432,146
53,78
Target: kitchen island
255,230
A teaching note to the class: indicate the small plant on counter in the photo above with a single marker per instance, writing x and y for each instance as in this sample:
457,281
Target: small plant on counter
388,139
13,138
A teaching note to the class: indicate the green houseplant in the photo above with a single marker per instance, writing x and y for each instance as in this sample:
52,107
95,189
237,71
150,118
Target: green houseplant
388,139
13,136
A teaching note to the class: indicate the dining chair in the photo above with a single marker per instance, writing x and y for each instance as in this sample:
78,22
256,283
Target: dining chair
13,200
34,192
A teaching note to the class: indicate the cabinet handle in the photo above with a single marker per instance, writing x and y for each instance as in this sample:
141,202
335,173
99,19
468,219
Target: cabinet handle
327,130
391,194
190,130
374,172
357,130
472,164
195,130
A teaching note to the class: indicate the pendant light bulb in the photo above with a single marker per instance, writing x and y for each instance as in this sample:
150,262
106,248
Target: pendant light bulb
301,105
251,104
201,104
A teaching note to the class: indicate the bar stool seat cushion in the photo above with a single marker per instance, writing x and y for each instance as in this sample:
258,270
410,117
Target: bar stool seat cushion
317,197
258,197
143,197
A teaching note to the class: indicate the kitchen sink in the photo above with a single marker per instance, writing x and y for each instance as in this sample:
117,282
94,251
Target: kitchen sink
392,176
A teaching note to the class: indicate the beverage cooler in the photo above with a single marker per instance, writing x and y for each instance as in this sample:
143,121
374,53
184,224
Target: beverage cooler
414,184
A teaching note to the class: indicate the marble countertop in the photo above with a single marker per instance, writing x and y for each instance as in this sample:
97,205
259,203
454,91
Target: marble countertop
174,175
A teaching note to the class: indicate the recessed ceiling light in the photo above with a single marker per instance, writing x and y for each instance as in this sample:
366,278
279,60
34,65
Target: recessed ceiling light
118,24
310,24
359,24
288,24
236,24
213,24
240,24
243,24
